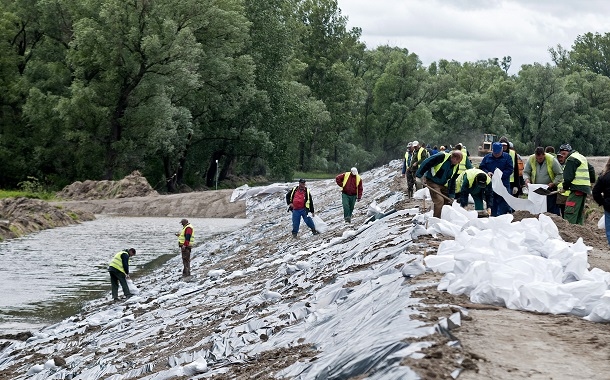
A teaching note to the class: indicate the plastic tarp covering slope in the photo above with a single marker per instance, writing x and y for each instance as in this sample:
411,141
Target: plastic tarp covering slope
343,294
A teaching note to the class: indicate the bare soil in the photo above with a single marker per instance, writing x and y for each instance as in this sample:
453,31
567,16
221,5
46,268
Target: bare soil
498,343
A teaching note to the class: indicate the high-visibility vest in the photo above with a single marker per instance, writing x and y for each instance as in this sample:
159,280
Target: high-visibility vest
462,166
117,262
346,177
549,166
307,196
438,166
420,151
512,154
581,177
471,175
182,238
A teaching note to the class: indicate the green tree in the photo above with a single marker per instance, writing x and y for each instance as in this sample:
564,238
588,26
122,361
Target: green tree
401,95
541,106
591,124
326,49
592,52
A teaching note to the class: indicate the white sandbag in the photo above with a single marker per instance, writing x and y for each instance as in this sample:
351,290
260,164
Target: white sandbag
374,209
601,310
588,292
321,226
541,297
601,224
422,193
133,289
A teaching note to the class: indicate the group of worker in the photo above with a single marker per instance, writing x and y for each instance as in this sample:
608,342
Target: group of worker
119,264
300,201
451,175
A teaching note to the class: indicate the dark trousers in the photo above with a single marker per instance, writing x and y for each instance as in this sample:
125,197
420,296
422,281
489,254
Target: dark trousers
575,207
117,277
410,182
186,260
551,204
296,220
348,202
499,205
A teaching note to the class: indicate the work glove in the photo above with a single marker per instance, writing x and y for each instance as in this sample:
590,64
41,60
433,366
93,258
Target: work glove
515,190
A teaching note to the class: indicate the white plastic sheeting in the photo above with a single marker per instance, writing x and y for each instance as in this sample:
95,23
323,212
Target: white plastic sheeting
521,265
535,203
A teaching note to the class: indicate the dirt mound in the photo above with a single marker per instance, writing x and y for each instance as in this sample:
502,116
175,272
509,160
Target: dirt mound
591,235
133,185
20,216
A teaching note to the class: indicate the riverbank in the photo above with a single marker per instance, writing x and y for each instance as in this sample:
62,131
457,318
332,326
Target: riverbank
131,196
198,204
263,305
22,216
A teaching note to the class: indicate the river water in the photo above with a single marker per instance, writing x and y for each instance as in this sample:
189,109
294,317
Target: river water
48,276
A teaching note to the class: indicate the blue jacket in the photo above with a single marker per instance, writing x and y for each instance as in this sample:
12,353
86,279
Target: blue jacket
489,164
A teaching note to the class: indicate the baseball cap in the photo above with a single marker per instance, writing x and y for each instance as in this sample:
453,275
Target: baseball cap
410,144
301,180
184,221
496,147
481,179
415,143
566,146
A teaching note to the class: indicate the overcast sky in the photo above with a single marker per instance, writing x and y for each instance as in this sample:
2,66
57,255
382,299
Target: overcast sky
471,30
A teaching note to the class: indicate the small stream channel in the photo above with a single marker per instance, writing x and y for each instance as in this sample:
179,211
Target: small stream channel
47,276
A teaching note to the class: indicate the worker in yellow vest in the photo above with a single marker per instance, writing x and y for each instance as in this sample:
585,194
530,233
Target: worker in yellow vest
578,175
186,239
300,203
543,168
419,155
476,183
119,272
351,191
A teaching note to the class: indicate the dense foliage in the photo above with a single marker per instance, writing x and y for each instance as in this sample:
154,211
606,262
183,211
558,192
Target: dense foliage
186,90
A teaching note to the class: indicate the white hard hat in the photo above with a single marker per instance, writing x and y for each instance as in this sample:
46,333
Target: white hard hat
354,171
415,143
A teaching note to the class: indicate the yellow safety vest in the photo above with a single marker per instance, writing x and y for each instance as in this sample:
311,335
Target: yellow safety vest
581,177
549,165
346,177
512,154
307,196
420,151
117,262
438,166
182,238
471,175
462,166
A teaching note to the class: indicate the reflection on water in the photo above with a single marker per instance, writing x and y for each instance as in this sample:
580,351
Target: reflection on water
48,275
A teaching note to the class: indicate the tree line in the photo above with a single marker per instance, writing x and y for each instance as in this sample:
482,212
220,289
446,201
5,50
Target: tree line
187,90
